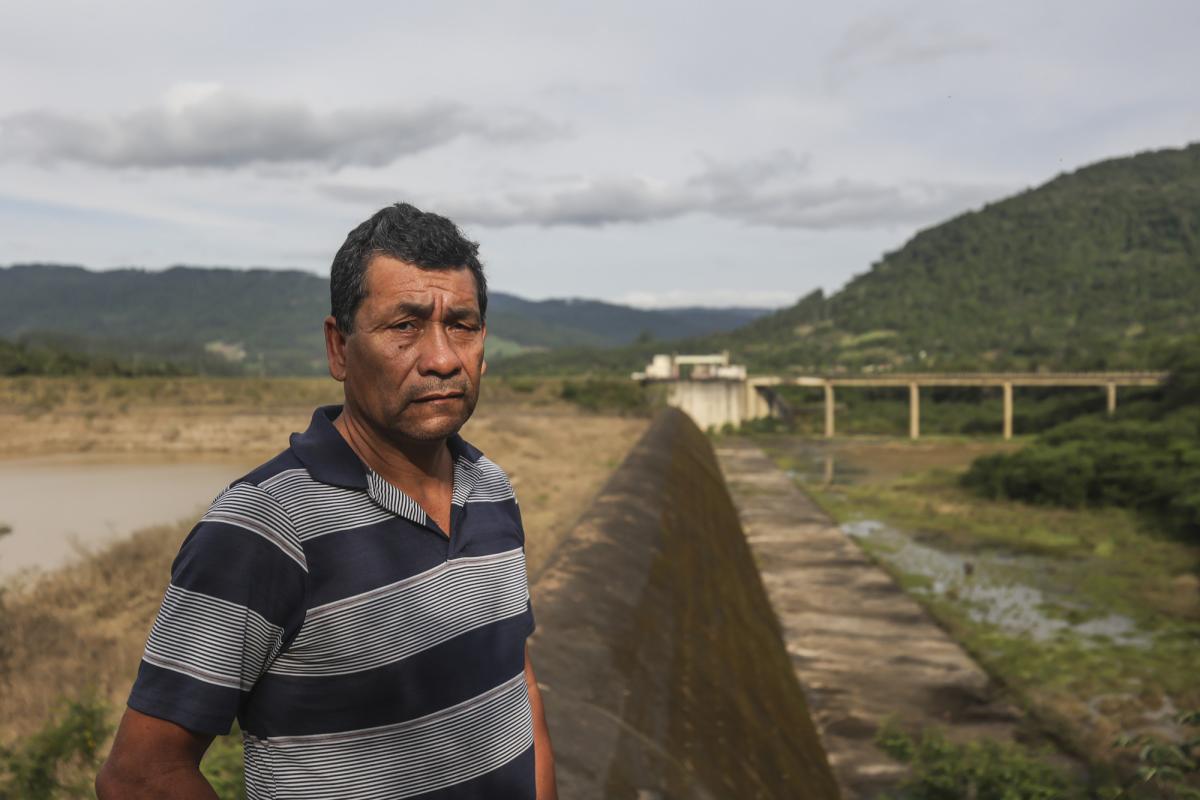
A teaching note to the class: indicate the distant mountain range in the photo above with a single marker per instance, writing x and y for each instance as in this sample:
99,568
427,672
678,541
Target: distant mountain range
1096,269
270,320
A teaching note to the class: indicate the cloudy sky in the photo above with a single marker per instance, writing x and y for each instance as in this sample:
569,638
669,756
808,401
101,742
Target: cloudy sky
658,153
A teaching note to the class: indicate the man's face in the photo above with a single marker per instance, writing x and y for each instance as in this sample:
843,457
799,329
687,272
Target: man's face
412,366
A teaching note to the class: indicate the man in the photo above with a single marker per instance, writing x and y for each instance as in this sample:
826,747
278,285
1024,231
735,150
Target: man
358,603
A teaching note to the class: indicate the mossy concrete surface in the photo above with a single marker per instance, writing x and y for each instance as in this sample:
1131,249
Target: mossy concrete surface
864,651
660,660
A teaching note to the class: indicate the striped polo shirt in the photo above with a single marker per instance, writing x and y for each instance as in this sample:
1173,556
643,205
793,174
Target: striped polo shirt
364,653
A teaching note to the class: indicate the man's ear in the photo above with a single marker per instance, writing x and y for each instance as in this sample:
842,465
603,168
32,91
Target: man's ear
335,349
483,367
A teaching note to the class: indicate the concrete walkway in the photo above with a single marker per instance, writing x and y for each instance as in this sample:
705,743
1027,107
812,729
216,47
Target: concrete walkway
861,648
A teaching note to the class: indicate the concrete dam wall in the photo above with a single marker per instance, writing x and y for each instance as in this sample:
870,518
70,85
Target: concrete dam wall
661,662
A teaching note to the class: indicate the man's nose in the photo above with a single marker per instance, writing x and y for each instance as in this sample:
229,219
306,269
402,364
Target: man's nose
438,357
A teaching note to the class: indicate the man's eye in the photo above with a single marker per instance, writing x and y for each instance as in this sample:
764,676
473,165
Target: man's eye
402,326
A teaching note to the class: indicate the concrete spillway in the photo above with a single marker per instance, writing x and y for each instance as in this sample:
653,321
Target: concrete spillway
661,662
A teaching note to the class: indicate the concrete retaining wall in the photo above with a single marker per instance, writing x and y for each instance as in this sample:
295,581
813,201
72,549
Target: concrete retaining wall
661,662
712,404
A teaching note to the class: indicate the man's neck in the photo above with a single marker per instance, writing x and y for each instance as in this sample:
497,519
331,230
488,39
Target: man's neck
410,465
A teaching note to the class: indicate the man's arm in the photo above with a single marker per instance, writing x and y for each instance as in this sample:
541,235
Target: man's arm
154,758
543,753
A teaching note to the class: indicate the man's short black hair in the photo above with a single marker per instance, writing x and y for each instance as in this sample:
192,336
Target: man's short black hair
406,233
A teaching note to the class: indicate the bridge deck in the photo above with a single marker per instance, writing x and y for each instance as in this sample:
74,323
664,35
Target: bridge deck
970,379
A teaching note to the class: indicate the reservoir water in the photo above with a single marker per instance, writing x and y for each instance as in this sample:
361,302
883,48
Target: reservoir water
59,507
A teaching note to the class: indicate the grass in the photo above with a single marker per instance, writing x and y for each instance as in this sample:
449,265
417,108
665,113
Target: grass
36,395
83,626
1084,690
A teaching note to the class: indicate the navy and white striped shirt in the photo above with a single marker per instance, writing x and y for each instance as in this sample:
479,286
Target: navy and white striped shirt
364,653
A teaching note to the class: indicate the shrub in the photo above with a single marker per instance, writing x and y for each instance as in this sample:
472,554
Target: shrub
223,767
600,394
61,759
984,769
1147,461
1165,769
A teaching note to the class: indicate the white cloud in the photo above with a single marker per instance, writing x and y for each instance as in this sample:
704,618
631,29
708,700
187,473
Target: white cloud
206,125
712,298
776,190
883,41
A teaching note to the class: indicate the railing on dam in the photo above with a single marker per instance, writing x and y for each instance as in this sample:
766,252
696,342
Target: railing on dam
663,669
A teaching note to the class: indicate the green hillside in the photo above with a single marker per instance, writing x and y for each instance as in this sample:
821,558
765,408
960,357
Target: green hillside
1097,269
269,321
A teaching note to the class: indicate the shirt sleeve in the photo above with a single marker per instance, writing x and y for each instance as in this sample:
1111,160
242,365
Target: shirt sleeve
236,596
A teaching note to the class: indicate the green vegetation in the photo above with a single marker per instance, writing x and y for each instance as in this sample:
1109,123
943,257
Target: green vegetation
1097,269
1089,564
268,322
23,358
1146,459
1165,768
983,770
36,395
61,759
612,396
223,767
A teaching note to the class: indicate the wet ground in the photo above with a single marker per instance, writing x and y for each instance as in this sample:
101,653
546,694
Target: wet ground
996,588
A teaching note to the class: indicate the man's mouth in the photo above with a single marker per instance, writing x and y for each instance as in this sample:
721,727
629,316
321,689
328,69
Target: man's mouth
429,398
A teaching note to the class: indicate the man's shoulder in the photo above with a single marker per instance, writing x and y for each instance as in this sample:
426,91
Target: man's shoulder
487,482
248,504
285,461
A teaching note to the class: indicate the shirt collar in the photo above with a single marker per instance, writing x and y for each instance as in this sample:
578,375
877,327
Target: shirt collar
326,454
330,459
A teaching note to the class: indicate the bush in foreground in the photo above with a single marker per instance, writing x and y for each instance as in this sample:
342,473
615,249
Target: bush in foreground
983,770
61,759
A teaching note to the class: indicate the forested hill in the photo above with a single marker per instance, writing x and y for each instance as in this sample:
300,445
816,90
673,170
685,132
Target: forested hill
270,320
1097,269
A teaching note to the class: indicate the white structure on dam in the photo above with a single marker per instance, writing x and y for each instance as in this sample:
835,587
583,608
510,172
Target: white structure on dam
710,390
715,393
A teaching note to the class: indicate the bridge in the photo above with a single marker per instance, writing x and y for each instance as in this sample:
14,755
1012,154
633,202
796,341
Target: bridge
714,392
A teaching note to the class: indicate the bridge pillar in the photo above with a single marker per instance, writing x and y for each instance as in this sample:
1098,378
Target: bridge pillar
1112,398
1008,410
828,410
758,405
914,411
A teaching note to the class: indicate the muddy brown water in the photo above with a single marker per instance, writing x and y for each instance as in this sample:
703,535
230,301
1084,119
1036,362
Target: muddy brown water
60,507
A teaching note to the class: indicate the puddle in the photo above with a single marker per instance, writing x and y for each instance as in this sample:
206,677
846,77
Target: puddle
987,586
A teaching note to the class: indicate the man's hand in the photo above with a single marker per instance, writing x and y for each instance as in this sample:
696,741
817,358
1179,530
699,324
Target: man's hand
154,758
543,753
